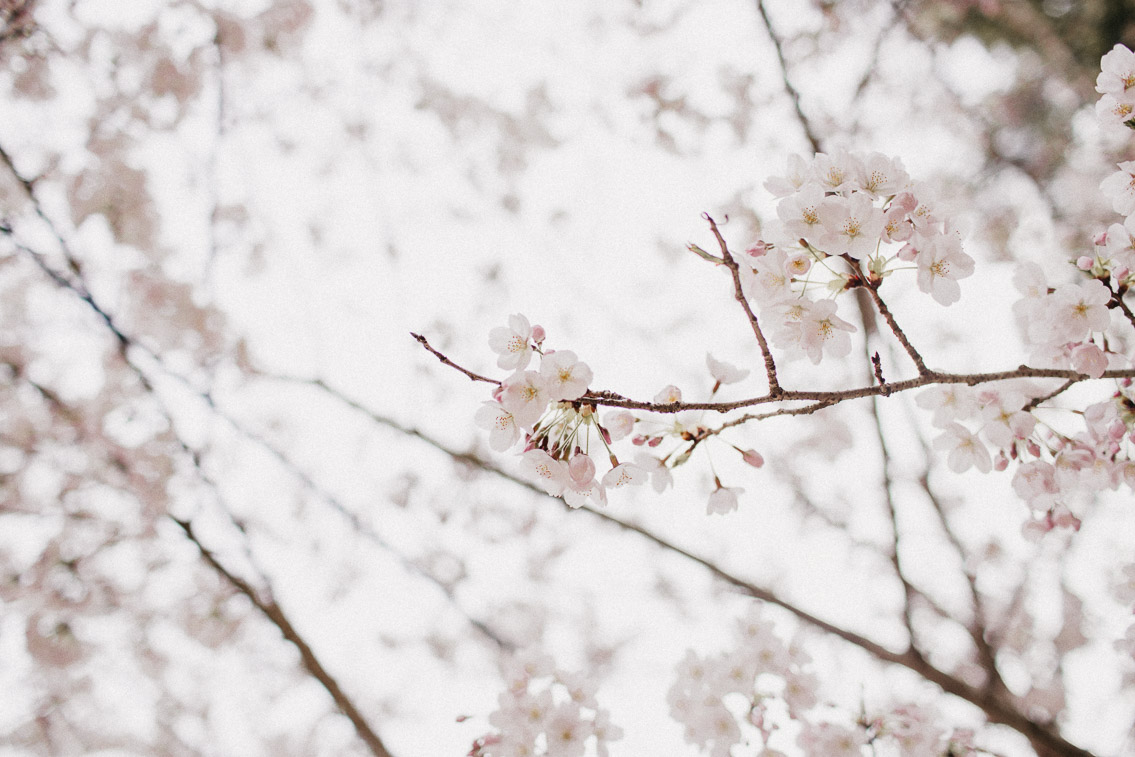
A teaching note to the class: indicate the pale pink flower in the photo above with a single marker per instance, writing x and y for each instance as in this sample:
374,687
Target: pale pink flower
619,424
511,343
882,176
797,175
852,225
660,475
604,731
502,428
1071,313
525,395
567,731
564,375
723,500
766,280
897,226
550,474
965,449
625,474
1117,74
831,740
724,373
1089,359
1114,114
841,172
582,487
1035,483
668,395
800,212
950,402
941,263
1120,188
821,329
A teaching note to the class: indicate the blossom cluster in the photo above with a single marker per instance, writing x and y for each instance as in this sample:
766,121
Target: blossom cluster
846,220
546,712
563,434
754,691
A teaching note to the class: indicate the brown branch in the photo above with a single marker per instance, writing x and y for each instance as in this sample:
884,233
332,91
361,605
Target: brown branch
739,295
474,376
897,331
778,45
1036,401
272,611
996,710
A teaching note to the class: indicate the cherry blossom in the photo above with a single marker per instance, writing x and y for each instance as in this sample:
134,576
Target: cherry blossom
526,395
1120,188
723,500
724,373
502,428
564,375
1117,74
941,263
511,343
964,449
852,225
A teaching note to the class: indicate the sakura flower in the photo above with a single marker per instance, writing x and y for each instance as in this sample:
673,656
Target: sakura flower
766,279
525,394
567,731
565,376
965,450
896,225
1113,113
821,328
625,474
852,225
550,474
604,731
839,173
941,263
724,373
1120,188
1071,313
723,500
796,177
800,212
511,343
1089,359
882,176
619,424
949,402
832,740
582,488
669,395
1117,74
660,475
502,428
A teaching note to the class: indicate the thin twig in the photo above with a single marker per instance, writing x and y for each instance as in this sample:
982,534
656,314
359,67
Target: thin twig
897,331
778,45
739,294
474,376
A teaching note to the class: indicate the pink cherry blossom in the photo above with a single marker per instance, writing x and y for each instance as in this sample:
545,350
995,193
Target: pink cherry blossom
525,394
964,449
941,263
852,225
1117,74
1120,188
511,343
502,428
723,500
565,376
724,373
551,474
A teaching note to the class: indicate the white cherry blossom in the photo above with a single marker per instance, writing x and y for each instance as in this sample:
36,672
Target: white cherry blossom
525,394
851,225
512,343
565,375
502,428
941,263
724,373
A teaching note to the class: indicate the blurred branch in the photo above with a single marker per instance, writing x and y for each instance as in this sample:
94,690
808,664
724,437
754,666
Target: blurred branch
778,45
276,616
996,710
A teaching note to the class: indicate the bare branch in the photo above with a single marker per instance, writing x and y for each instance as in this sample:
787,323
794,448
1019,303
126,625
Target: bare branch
474,376
272,611
898,332
739,294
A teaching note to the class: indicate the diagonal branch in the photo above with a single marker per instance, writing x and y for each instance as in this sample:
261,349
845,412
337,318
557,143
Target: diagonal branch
273,612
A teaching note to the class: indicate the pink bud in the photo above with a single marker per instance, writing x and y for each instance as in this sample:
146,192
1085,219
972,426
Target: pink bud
753,458
538,334
1101,239
498,391
1001,462
654,442
757,248
1121,273
638,440
1033,448
1084,263
582,469
1117,429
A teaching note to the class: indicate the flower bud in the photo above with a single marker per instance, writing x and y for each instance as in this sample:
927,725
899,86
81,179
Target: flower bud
757,248
538,334
1085,263
753,458
1001,462
1101,239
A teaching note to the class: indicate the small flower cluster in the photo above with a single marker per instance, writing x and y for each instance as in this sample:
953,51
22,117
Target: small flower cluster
560,428
1116,82
747,694
545,712
862,211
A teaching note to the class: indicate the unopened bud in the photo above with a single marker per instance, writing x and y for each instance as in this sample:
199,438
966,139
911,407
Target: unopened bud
753,458
757,248
538,334
1001,462
1085,263
639,440
1033,448
1101,239
654,442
